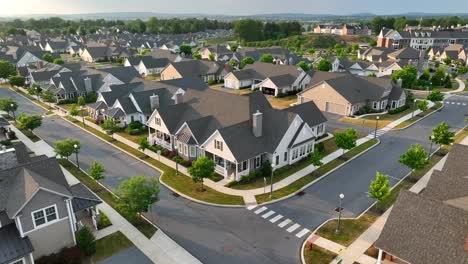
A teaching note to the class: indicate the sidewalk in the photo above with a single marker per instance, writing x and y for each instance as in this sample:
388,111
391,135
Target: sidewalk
160,248
461,87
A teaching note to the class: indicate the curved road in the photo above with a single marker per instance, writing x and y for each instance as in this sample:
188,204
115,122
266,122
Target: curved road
227,235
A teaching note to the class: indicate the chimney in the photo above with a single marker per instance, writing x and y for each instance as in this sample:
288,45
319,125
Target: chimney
154,101
399,83
39,64
178,98
257,120
88,84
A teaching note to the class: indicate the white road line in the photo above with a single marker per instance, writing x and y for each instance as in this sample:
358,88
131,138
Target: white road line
276,218
252,207
284,223
453,102
464,104
293,227
268,214
260,210
303,232
458,103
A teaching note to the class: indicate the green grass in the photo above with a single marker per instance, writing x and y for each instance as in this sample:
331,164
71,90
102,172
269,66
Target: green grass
318,255
350,229
181,182
416,118
142,225
33,137
324,169
33,99
103,221
110,245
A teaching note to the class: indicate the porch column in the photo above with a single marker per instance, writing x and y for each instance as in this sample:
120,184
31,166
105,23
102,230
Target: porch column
31,258
379,258
236,173
225,167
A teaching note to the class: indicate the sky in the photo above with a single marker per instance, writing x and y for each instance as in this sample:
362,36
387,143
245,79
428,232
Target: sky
230,7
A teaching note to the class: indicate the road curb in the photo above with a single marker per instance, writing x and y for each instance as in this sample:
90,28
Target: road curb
161,171
321,177
415,122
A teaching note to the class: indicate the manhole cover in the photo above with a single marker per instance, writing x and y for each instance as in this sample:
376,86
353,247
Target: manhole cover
175,194
300,193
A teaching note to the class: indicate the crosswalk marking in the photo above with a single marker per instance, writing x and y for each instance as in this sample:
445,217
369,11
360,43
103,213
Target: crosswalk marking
284,223
276,218
251,207
293,227
260,210
268,214
303,232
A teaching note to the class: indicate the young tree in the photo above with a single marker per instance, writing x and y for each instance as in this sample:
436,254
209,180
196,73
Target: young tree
202,168
422,105
81,101
110,126
311,51
447,60
247,60
48,95
86,241
234,47
324,65
233,63
304,66
380,187
408,75
74,110
442,135
197,56
137,194
29,122
48,57
211,57
8,105
143,52
65,148
7,69
316,157
346,139
415,157
185,49
96,171
267,57
17,80
143,144
59,61
438,78
435,96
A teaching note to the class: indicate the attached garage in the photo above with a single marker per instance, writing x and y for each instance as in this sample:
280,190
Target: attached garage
335,108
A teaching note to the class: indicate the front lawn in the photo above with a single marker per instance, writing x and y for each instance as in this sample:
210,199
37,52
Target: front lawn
318,255
370,121
110,245
416,118
324,169
282,103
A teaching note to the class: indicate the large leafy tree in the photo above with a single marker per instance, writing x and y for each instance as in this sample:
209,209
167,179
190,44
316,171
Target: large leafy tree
201,168
29,122
346,139
267,57
415,157
324,65
304,66
248,29
186,49
8,105
7,69
380,187
408,75
48,57
17,80
435,96
65,148
247,60
48,95
96,171
137,194
438,78
110,126
442,135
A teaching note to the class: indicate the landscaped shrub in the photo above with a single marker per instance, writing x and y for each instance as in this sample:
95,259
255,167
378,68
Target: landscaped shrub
320,147
231,183
86,241
135,128
103,220
367,110
398,110
211,82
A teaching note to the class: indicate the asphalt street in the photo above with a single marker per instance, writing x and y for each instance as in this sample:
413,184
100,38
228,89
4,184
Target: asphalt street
227,235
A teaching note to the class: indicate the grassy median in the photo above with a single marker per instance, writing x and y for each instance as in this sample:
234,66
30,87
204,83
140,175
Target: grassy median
318,255
110,245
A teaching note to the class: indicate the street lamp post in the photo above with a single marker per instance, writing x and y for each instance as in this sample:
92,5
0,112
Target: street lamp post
37,94
76,153
339,213
376,126
271,180
176,160
13,111
431,138
414,108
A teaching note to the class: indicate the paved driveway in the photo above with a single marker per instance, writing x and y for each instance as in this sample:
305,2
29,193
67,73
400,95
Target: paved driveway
129,255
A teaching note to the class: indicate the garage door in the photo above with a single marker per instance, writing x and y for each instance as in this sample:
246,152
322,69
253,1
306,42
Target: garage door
335,108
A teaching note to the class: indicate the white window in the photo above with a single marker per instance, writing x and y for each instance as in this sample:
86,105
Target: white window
218,145
286,156
375,105
44,216
158,121
185,150
193,151
258,161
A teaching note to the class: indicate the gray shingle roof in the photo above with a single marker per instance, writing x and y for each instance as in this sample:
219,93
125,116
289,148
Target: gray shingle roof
12,246
124,74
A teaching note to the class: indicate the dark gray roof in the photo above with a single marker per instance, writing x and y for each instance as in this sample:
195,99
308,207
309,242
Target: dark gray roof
83,197
197,68
120,90
421,230
405,53
99,52
42,76
248,74
3,122
309,112
152,63
12,246
124,74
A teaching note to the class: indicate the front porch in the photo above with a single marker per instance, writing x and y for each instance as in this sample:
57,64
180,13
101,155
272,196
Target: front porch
231,170
160,138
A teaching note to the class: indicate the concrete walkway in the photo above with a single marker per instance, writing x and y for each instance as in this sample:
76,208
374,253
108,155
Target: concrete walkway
461,87
355,252
160,248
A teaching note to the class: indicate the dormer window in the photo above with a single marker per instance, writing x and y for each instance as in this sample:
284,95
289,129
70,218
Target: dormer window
218,145
158,121
44,216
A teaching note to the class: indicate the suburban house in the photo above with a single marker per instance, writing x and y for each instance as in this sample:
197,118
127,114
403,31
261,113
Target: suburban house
204,123
57,46
432,226
355,30
219,53
328,29
206,70
345,93
69,85
39,211
152,66
269,78
93,54
33,57
116,75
